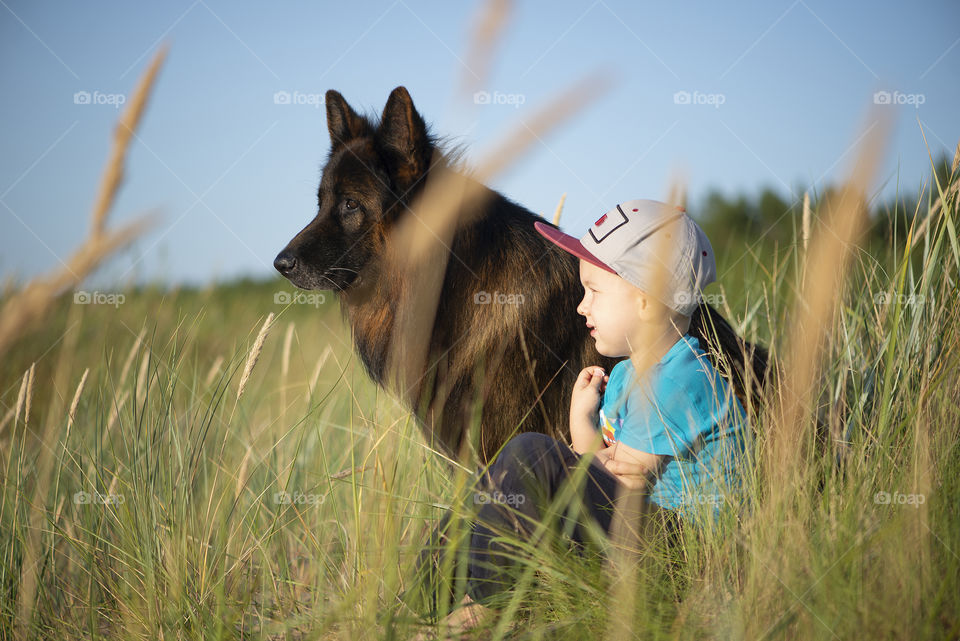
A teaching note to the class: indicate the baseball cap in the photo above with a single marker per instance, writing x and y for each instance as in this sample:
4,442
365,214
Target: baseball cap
620,242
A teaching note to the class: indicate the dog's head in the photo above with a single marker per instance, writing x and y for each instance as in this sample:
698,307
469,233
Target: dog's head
372,172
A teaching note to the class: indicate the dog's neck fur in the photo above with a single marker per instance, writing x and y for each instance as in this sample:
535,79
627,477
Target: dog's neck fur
374,304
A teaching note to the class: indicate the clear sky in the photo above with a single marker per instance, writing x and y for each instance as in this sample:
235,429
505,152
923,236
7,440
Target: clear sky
778,92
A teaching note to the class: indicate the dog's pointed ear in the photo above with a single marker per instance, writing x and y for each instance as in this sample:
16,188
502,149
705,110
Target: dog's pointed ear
403,133
343,122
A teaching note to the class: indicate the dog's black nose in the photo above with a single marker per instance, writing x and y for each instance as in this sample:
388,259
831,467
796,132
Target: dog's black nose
285,262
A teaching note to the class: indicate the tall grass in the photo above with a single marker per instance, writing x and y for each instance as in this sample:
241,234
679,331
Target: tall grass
158,504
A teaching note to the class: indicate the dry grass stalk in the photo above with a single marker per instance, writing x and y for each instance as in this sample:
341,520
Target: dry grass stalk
445,198
72,414
805,219
26,413
677,190
214,370
316,372
6,419
440,209
489,27
287,344
559,210
424,256
285,365
23,309
129,121
254,354
241,475
142,382
21,396
824,276
632,526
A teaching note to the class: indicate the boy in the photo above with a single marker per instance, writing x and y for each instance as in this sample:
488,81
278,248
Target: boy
675,429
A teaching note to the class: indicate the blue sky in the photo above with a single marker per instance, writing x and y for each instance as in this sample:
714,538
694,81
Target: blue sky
778,94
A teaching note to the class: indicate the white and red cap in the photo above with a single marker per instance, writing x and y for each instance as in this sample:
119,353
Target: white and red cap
619,242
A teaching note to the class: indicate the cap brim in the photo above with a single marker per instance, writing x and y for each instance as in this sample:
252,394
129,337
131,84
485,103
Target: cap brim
569,244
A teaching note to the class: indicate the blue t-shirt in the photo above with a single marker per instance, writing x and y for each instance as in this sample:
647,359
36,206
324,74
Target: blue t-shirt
683,409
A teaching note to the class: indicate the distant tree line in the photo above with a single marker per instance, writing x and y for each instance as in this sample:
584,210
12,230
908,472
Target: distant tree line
771,218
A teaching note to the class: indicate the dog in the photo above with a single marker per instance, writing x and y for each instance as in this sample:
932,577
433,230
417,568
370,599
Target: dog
504,341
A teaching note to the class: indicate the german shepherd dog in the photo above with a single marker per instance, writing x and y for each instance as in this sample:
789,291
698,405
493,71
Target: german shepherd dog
508,298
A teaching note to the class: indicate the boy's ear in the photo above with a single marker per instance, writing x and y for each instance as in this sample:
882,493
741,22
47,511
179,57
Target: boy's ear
343,123
644,305
403,136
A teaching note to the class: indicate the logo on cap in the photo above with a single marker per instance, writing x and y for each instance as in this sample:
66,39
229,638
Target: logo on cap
606,225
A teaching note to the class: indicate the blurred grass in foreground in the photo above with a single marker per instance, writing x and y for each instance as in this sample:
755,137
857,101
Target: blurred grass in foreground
167,508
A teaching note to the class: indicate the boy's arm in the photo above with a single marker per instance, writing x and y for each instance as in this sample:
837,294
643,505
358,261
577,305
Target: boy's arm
584,403
585,436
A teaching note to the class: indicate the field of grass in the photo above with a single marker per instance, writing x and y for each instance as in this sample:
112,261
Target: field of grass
142,498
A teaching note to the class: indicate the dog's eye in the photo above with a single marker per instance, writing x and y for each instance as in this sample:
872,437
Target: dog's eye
350,204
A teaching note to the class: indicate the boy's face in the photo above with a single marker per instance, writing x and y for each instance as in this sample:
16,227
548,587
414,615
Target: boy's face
610,305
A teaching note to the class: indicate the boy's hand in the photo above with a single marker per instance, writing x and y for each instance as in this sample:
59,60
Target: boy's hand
633,468
587,392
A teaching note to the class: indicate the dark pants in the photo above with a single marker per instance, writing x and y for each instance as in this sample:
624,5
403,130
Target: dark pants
516,494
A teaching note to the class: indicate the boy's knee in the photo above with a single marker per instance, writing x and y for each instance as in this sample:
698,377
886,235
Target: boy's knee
527,449
531,456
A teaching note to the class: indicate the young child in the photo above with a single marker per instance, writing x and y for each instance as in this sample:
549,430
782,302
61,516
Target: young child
642,266
668,421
